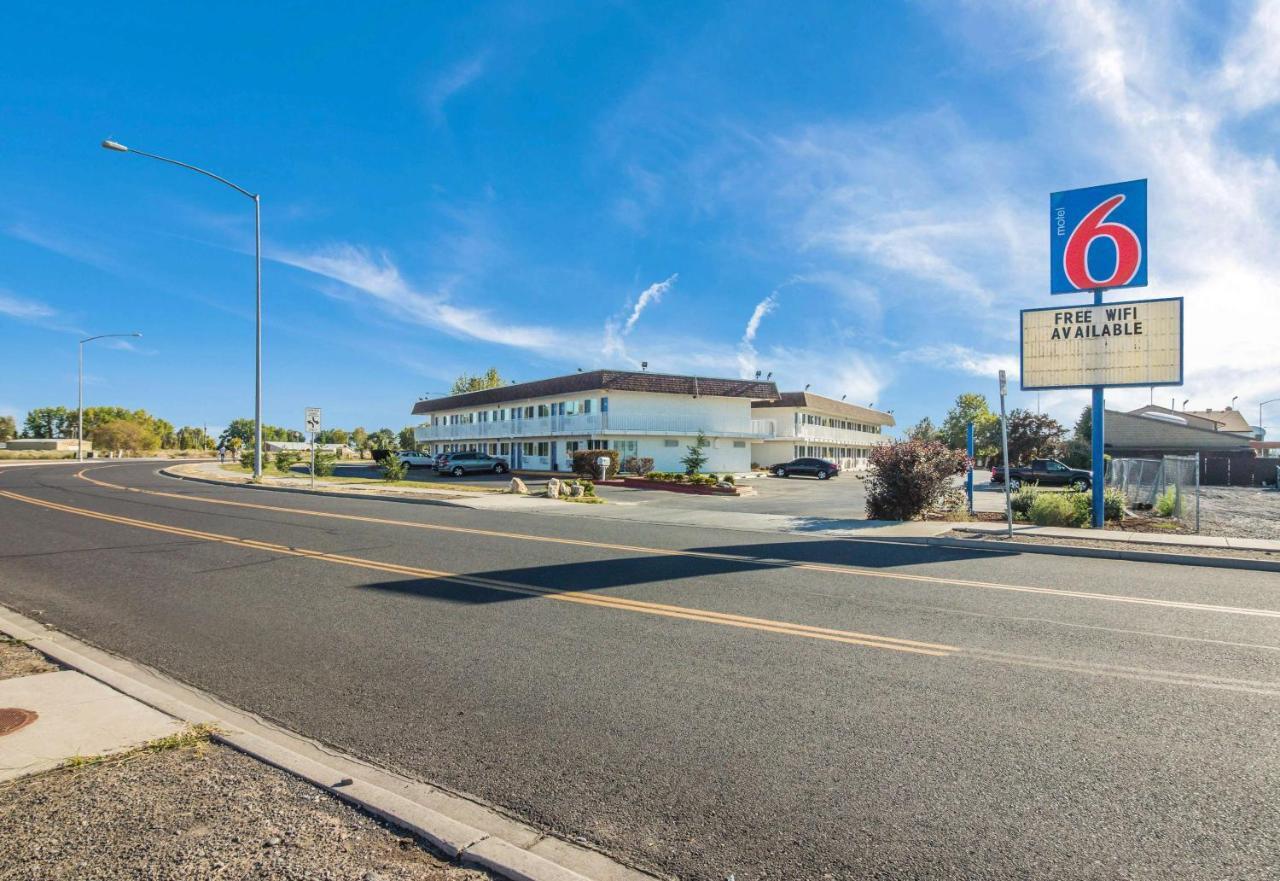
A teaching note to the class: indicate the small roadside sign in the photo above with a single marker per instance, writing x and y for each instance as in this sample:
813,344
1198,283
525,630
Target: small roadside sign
313,419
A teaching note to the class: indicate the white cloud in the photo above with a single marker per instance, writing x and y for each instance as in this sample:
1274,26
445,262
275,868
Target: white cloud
616,330
25,310
376,275
951,356
652,294
746,348
455,80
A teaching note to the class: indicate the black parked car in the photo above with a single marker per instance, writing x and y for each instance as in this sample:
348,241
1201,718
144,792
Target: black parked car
819,468
469,462
1046,472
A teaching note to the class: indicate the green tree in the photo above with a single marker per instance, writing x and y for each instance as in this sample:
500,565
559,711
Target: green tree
467,383
243,429
191,438
125,434
8,428
1033,436
332,436
971,407
383,439
360,440
695,458
406,438
923,430
49,422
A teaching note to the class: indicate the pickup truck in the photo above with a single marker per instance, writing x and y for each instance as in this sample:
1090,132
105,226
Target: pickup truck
1045,472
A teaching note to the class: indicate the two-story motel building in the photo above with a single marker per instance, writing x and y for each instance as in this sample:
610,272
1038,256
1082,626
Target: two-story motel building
539,425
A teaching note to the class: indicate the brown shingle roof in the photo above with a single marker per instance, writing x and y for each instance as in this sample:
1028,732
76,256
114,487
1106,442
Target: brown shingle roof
826,405
597,380
1230,420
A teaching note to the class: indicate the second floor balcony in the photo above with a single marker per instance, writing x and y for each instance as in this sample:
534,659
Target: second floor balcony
579,424
776,429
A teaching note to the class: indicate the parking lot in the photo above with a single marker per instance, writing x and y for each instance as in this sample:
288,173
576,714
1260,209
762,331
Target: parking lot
840,498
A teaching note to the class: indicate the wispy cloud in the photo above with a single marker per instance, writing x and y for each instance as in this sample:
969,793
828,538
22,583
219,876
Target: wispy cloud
455,80
70,246
23,309
952,356
616,329
375,274
746,347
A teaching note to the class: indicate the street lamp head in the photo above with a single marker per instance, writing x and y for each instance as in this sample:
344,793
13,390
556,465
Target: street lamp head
136,333
113,145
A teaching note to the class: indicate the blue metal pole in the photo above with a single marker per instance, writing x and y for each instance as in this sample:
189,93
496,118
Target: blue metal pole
1097,442
968,481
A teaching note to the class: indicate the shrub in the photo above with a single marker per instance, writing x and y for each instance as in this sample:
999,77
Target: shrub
393,468
1023,499
584,462
644,464
285,460
324,463
909,477
588,488
631,465
728,478
1166,505
695,458
246,460
1060,509
654,475
1114,503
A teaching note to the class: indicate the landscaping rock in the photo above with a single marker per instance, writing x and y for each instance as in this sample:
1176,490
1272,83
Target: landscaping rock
518,487
553,488
576,491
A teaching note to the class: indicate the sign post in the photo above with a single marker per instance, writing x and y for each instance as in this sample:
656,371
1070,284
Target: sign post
1097,442
312,419
968,480
1004,452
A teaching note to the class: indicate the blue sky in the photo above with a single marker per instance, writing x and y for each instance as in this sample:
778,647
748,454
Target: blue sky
846,195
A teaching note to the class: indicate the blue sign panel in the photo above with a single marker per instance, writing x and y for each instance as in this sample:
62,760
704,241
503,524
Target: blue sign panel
1098,238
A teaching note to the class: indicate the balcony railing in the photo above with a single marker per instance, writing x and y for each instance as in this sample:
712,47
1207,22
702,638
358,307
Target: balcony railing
585,423
772,429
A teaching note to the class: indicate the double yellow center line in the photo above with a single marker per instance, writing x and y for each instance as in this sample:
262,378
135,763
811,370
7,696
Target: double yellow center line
616,603
762,562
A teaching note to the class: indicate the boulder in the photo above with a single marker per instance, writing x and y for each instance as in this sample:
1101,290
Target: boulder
518,487
576,491
553,488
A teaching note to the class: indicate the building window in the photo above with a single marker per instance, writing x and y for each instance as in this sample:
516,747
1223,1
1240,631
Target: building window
542,411
739,444
544,449
572,446
597,445
626,448
504,449
604,405
671,442
528,412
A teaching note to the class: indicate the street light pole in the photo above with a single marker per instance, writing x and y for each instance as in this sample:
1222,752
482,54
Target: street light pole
1260,406
80,390
257,247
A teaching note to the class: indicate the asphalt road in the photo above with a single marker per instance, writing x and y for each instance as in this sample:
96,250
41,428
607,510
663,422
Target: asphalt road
697,701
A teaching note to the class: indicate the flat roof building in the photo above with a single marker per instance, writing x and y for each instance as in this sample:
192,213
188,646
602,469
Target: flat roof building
539,425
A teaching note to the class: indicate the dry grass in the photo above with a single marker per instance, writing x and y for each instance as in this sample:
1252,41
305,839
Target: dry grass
298,477
193,737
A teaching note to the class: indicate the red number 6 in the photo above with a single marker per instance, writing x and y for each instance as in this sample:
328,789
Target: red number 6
1075,260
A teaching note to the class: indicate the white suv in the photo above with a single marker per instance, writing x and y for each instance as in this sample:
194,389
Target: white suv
414,459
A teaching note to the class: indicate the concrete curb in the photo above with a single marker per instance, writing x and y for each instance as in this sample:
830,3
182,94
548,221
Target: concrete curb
464,830
1102,553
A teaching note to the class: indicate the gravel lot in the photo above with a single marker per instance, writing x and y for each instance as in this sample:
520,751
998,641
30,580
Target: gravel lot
1240,511
1117,545
17,659
197,813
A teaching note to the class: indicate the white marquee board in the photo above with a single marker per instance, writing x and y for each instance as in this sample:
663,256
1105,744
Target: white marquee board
1115,344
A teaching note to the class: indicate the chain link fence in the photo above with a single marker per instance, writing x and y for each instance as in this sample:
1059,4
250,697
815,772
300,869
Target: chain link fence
1170,486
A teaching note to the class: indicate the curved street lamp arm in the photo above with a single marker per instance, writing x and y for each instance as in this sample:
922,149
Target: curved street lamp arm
103,336
216,177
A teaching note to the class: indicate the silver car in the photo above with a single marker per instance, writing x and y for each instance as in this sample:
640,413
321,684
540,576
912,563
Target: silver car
469,462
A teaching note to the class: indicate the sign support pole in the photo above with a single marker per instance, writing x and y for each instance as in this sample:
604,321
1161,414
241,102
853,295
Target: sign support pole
968,480
1004,454
313,460
1096,443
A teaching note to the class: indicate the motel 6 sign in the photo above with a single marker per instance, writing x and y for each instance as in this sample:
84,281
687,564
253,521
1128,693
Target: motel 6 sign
1098,238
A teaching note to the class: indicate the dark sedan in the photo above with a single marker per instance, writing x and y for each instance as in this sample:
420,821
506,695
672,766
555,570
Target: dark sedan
819,468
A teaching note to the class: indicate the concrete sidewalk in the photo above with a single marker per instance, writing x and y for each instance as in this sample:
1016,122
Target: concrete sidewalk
1108,535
